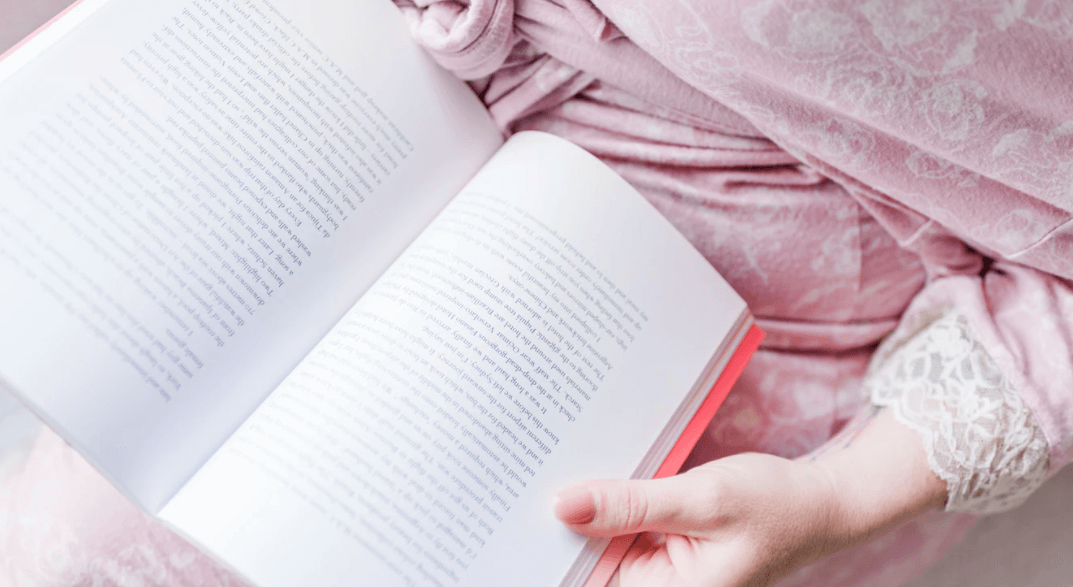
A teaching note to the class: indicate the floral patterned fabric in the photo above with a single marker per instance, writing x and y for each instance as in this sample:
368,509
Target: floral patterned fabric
64,525
842,164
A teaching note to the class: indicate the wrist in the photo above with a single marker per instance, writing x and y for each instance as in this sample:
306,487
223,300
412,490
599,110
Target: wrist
828,506
878,480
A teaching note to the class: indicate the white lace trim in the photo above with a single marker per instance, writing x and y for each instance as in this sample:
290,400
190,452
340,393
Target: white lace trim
979,435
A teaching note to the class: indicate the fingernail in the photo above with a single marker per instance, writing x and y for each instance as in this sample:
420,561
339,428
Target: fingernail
575,505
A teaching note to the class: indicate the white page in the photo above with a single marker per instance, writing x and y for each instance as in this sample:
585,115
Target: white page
160,134
421,442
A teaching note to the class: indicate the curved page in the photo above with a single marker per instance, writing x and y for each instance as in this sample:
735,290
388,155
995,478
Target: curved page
543,330
194,191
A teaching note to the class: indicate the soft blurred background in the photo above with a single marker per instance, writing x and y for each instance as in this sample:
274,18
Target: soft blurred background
1029,547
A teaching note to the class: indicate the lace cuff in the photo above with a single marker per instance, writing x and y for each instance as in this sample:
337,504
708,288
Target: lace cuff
979,435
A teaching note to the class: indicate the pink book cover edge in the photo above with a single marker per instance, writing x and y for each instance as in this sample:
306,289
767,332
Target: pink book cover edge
19,45
616,550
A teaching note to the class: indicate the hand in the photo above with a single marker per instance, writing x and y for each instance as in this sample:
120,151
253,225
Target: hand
740,521
750,519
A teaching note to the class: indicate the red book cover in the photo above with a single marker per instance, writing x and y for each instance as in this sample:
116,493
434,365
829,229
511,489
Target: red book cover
616,550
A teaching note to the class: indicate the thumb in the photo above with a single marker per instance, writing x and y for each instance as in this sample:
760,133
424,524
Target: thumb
612,508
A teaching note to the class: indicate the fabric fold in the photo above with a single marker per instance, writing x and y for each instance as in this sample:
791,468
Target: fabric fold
471,39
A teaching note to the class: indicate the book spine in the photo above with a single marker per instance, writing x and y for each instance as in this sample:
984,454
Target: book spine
616,549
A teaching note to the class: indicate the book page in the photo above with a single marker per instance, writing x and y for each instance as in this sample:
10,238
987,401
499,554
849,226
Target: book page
542,331
194,192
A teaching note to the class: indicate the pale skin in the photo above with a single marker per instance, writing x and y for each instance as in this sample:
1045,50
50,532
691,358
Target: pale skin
750,519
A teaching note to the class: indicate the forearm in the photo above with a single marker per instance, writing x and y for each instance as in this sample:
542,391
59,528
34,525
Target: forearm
879,477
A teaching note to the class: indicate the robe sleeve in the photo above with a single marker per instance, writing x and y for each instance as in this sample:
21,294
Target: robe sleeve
950,122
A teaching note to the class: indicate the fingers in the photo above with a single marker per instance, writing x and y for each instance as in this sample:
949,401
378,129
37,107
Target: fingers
677,505
650,561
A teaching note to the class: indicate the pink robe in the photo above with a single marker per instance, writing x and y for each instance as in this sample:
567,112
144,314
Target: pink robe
842,164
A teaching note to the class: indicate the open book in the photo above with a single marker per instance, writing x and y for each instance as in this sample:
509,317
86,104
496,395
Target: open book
274,274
